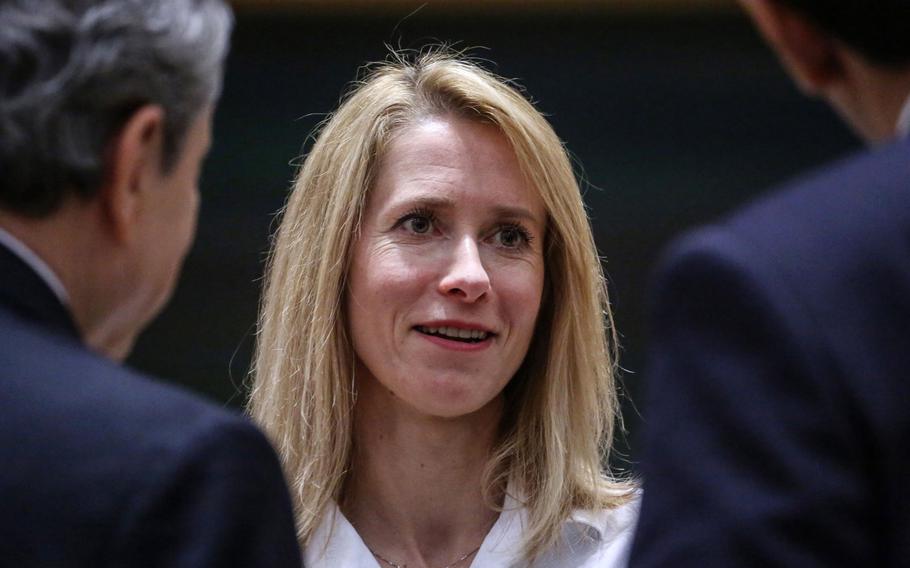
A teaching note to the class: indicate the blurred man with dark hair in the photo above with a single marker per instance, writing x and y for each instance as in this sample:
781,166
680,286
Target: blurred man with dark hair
105,110
778,414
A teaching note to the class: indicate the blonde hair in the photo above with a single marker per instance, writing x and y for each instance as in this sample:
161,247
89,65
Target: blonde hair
561,404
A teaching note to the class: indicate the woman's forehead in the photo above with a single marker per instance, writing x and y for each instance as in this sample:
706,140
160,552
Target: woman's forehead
444,160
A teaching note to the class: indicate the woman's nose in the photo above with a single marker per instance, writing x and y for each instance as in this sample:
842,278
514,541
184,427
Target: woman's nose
466,277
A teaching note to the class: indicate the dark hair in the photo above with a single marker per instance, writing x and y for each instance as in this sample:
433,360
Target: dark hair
878,29
73,71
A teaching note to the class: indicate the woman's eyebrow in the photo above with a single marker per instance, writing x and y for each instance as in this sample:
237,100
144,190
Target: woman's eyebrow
516,212
428,201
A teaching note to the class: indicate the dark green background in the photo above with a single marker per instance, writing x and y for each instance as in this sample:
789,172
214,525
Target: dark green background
673,119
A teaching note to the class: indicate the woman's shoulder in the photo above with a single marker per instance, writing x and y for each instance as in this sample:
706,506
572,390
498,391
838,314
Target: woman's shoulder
595,538
611,523
608,532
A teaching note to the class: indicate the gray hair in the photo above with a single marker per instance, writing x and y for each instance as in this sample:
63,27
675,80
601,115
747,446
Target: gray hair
73,71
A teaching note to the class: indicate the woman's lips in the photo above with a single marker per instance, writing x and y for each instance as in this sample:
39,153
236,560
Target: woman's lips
457,333
457,339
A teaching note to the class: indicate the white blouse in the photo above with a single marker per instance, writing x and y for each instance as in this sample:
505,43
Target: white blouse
590,539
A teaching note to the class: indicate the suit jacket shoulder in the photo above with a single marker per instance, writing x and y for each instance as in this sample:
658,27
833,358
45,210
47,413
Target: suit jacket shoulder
776,415
830,254
104,466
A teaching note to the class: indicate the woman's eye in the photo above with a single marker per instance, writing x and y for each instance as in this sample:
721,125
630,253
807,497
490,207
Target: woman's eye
512,237
418,224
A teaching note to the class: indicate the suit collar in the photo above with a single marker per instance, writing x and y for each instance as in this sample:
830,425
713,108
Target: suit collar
25,293
36,263
903,122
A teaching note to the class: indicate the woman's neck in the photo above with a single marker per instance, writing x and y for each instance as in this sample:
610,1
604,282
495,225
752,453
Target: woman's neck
415,492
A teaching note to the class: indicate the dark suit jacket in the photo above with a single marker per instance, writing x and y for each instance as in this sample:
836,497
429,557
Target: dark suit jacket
101,466
778,410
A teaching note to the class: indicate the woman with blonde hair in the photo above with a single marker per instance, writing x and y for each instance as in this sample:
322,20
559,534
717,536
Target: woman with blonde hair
434,359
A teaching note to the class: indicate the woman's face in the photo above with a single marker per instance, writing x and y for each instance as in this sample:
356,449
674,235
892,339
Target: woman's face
448,271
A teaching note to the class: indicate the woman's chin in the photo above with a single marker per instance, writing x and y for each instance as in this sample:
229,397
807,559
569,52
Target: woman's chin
453,404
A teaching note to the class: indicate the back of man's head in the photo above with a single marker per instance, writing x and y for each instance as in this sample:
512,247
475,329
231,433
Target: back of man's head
73,71
878,29
105,112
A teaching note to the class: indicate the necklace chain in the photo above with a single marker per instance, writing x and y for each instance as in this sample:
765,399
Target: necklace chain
397,565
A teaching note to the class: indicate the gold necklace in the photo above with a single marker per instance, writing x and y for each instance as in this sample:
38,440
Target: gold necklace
397,565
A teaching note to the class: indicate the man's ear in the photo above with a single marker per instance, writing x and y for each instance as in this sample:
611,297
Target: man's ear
132,167
811,55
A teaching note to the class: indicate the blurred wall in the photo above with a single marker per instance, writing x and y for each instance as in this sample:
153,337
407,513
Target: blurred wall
674,116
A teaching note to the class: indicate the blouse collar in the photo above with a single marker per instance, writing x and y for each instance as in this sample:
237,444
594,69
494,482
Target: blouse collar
336,543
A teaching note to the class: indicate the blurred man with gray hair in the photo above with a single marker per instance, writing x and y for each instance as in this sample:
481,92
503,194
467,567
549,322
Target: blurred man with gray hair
778,414
105,111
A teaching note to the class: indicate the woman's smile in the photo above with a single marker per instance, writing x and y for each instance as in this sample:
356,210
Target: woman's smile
458,336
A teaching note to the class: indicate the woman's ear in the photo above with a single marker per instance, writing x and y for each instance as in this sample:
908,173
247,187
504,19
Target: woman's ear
811,55
132,167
